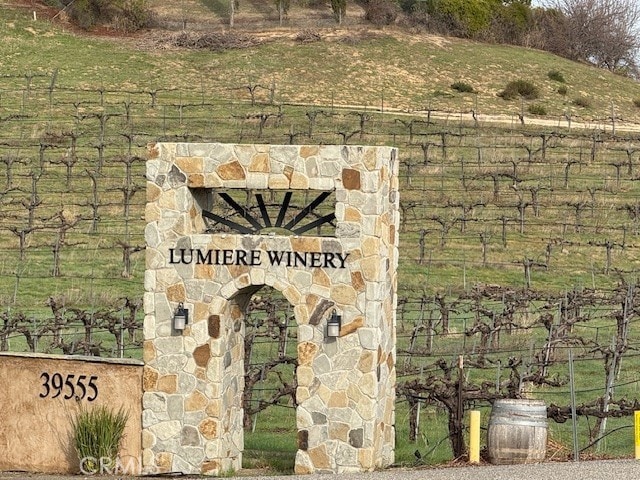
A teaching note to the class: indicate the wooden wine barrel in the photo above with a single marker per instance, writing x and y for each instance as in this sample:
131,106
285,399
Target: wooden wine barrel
517,431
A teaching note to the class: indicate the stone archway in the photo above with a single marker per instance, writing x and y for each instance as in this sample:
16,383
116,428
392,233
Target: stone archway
192,410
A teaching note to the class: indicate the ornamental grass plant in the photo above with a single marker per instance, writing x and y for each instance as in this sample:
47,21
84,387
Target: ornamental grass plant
97,435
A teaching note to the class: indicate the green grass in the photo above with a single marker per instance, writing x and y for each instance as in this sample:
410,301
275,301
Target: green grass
273,449
272,445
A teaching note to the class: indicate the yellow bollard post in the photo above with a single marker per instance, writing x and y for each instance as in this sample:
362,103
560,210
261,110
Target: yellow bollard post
474,436
636,421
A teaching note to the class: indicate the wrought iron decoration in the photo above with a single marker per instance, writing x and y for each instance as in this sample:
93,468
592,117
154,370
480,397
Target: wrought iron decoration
285,217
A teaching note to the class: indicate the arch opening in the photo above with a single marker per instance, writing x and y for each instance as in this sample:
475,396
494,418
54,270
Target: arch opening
269,396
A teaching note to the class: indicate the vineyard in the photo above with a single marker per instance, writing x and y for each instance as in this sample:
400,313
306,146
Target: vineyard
518,258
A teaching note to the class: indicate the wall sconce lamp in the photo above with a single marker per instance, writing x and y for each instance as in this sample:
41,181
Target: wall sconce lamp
180,318
333,325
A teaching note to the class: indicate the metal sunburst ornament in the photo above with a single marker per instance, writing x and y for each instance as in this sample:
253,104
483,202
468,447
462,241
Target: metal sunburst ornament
258,221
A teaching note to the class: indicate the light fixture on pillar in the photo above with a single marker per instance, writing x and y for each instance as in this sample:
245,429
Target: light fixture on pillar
180,318
333,325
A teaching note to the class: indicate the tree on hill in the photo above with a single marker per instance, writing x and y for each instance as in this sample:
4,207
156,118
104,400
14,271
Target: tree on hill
462,18
127,15
282,6
501,21
339,8
602,32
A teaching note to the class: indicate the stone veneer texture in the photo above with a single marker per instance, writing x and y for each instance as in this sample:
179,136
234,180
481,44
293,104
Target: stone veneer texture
193,380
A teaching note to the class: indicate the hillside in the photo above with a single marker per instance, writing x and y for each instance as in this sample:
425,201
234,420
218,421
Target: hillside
394,68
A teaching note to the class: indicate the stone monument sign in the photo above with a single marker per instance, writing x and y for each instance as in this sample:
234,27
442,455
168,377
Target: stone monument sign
320,225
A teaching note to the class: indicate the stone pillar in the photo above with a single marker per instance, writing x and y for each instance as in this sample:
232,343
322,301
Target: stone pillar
192,417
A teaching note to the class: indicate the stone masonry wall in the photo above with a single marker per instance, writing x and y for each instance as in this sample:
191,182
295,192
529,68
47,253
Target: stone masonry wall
193,380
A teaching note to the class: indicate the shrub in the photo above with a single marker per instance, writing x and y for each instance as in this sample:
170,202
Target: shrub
556,76
537,109
128,15
462,18
562,90
582,102
133,15
381,12
462,87
97,434
84,13
520,88
511,22
636,102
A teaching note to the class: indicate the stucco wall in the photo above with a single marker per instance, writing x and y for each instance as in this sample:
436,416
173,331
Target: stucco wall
35,428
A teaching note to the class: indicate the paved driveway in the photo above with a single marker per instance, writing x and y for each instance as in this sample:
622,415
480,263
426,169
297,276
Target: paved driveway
587,470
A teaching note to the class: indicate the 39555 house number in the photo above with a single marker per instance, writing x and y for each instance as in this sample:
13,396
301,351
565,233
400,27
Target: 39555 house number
69,386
